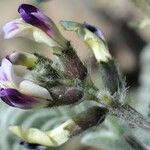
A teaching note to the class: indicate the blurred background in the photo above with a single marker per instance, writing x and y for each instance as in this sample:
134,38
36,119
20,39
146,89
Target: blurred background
126,26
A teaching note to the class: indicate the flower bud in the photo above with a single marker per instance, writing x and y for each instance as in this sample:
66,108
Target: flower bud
41,70
18,92
93,38
61,134
32,15
41,86
36,25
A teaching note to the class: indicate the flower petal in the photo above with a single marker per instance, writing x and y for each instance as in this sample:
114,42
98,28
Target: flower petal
10,29
14,27
29,88
35,17
7,73
19,28
3,76
14,98
32,15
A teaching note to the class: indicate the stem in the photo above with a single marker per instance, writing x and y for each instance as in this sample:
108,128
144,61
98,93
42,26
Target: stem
134,143
124,112
130,116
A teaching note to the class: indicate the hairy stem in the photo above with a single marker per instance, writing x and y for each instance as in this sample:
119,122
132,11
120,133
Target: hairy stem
134,143
131,116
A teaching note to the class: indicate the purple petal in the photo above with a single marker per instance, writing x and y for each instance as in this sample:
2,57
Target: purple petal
35,17
14,98
3,76
12,28
6,69
95,30
7,72
9,28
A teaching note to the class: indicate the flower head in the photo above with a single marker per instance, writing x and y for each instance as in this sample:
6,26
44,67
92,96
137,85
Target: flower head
40,86
19,92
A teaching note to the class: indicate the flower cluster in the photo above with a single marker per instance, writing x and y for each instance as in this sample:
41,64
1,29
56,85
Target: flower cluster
47,83
37,86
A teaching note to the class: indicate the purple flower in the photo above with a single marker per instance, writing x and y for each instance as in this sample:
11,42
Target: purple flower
19,92
14,98
20,28
32,15
34,25
35,17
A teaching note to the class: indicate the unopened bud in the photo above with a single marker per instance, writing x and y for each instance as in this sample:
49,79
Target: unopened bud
87,119
61,134
93,38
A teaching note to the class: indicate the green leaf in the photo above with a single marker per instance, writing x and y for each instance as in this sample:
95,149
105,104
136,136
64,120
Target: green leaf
106,140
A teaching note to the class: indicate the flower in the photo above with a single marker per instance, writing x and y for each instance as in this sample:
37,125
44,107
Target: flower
33,23
19,28
32,15
93,38
19,92
40,85
81,122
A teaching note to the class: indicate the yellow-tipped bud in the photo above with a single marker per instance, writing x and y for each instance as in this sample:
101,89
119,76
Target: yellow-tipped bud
92,36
